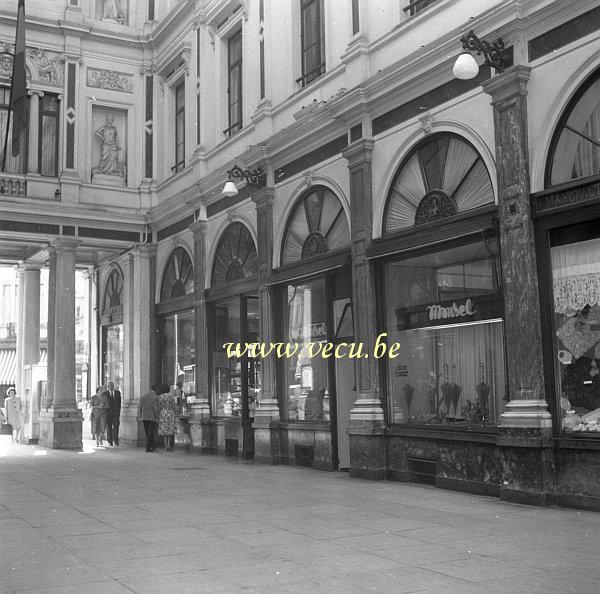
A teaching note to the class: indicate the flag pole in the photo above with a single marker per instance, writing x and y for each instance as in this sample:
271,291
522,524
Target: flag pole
8,112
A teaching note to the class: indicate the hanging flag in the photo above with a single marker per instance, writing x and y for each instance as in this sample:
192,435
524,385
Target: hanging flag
18,89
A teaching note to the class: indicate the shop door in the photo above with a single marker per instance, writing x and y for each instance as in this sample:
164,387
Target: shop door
344,376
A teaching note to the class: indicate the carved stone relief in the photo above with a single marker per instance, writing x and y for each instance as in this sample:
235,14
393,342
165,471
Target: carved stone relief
112,11
109,79
109,146
44,66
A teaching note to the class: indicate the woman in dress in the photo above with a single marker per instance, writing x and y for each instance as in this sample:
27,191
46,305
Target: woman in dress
14,413
167,423
99,404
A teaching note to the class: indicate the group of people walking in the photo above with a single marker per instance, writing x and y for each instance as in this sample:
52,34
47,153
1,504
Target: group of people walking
106,414
158,413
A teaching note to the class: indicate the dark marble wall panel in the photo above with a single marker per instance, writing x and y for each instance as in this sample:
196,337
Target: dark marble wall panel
367,456
578,472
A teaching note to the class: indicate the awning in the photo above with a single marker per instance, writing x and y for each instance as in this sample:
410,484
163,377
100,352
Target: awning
8,365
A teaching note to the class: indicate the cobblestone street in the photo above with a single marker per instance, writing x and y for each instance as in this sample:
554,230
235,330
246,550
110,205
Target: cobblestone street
122,520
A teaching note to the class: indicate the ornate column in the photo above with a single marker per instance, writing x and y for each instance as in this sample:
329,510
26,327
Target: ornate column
60,426
50,331
34,123
367,445
527,424
266,415
200,425
31,342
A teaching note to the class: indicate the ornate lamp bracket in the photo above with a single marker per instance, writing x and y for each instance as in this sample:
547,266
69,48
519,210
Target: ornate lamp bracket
252,177
495,52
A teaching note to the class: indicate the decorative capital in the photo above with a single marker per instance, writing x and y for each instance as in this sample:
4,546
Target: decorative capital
509,84
66,244
264,198
359,152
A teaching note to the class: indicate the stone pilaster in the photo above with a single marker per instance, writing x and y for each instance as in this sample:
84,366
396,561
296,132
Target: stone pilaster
266,415
60,426
31,342
34,124
525,447
50,331
20,331
367,445
200,425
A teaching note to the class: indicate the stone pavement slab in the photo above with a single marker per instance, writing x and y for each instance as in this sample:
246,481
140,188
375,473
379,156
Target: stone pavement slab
118,520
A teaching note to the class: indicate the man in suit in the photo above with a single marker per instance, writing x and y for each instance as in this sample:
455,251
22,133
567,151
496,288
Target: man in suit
148,412
113,414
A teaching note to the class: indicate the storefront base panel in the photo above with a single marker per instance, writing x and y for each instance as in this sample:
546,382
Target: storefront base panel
306,445
233,438
200,435
267,443
527,497
578,473
367,453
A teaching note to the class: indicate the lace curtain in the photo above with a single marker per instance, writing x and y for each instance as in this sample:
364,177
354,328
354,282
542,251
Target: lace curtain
576,275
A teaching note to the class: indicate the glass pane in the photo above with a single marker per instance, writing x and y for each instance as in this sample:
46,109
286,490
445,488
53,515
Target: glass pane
112,343
306,377
576,288
13,164
226,372
444,311
169,350
186,358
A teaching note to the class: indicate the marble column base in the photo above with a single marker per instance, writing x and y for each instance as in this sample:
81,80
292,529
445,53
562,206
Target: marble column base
527,413
131,431
366,408
367,450
61,428
201,429
267,441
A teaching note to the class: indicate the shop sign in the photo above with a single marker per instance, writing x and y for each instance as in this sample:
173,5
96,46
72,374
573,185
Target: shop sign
441,312
472,309
312,331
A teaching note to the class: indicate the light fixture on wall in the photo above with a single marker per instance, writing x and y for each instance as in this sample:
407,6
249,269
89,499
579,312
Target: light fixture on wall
253,178
466,67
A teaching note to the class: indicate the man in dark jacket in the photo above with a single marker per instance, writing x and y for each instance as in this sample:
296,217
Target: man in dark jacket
113,414
148,412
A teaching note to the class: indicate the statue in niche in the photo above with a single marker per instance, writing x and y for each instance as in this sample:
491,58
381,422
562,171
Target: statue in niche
112,11
111,162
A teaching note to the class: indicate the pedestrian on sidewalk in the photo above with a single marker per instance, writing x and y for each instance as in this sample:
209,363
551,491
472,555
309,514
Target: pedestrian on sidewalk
167,422
148,413
113,414
99,404
13,411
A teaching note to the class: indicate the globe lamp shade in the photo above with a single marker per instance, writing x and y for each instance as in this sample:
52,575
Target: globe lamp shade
229,189
465,67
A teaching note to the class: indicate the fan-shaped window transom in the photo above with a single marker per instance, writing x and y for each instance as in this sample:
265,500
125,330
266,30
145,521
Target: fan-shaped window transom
236,256
575,149
317,225
178,278
441,177
112,291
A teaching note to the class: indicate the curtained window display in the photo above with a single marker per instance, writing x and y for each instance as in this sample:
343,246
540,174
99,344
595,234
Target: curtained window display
179,352
306,378
444,310
576,289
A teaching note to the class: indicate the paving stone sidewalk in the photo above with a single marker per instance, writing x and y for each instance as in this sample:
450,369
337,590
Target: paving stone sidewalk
123,520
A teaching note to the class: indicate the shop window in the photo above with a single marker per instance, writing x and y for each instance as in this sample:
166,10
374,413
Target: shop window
575,149
179,354
235,379
575,260
317,225
416,6
306,378
312,39
112,291
112,354
444,310
178,278
441,177
235,257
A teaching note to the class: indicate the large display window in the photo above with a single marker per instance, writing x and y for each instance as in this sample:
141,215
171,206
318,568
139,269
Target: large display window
235,379
179,351
575,262
112,354
444,309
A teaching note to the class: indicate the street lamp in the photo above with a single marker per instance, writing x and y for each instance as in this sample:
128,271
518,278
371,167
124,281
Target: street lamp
466,67
252,179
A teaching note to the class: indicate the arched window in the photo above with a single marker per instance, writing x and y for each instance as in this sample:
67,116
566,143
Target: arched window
441,177
178,277
317,225
112,291
236,256
575,148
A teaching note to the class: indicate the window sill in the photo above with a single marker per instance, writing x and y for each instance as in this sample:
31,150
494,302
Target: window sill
485,434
